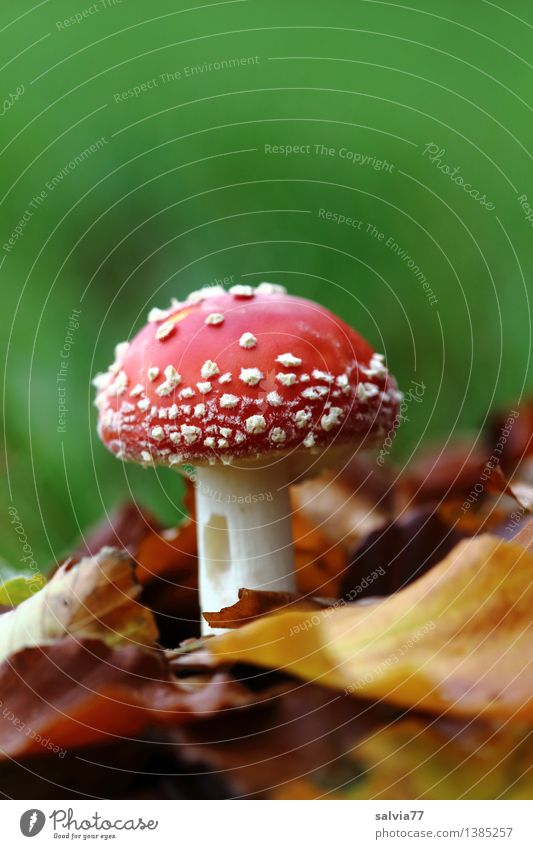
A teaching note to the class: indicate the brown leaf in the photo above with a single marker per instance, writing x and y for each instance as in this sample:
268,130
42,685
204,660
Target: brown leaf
168,569
305,732
513,431
253,604
332,506
78,692
375,483
311,744
520,491
397,553
124,528
169,553
441,472
319,562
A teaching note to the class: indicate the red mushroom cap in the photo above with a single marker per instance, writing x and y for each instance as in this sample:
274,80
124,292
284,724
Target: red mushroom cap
242,374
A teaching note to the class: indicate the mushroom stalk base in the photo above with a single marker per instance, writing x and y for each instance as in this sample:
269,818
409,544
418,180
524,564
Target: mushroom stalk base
244,532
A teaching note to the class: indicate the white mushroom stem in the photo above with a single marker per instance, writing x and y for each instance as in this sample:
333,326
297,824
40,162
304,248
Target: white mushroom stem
244,532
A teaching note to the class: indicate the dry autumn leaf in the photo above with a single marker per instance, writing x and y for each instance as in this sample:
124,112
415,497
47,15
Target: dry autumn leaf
86,689
253,604
95,597
76,692
458,639
79,665
303,733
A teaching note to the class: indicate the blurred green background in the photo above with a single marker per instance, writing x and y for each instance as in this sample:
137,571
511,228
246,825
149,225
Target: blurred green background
138,162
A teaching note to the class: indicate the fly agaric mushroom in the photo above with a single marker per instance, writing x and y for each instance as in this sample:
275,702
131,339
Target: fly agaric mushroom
250,387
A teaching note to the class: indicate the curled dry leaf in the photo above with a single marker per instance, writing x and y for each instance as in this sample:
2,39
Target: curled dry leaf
476,481
253,604
95,597
458,639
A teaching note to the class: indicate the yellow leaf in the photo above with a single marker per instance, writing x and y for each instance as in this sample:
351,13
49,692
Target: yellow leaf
416,758
20,587
458,639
